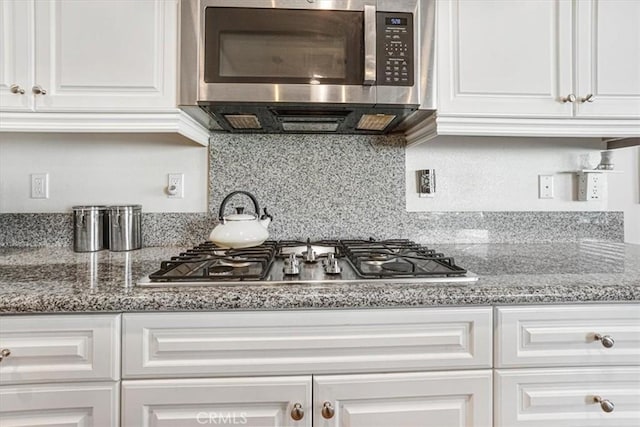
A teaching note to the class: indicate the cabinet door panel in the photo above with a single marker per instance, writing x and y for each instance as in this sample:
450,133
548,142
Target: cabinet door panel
105,55
608,58
305,342
409,400
504,58
256,402
55,405
565,397
16,54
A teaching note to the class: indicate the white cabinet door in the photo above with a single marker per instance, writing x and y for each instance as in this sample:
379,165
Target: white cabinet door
608,58
106,55
435,399
504,58
55,405
16,54
255,402
567,397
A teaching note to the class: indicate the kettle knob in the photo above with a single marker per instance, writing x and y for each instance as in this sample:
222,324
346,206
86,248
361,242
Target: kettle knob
240,210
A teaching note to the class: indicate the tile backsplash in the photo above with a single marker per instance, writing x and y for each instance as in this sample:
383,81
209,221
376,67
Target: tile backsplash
327,187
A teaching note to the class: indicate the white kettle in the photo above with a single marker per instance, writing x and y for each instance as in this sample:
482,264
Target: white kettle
241,230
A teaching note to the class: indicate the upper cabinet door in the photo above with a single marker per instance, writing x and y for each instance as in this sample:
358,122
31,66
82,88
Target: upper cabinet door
16,55
504,58
608,58
106,55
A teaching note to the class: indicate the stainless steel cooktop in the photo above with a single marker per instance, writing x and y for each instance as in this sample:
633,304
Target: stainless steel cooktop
326,261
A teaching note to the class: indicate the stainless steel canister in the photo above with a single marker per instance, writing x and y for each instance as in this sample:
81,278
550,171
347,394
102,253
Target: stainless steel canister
125,227
88,228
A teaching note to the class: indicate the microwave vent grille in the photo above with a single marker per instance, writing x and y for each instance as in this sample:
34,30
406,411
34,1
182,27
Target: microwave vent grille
375,121
243,121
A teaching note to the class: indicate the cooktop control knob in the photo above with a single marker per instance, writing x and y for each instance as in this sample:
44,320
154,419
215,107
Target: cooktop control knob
309,255
291,266
331,265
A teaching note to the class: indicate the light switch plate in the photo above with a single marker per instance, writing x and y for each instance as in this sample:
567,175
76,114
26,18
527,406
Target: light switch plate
545,186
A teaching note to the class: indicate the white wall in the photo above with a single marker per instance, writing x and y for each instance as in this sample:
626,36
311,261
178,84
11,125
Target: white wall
624,190
101,169
499,173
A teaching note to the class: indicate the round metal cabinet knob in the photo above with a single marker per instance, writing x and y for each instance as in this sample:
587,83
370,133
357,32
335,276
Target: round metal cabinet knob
37,89
297,413
569,98
16,89
606,405
5,352
327,410
606,340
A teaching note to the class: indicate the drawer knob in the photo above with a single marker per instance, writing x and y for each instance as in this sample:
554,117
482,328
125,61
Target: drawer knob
327,410
297,413
606,405
16,89
37,89
5,352
569,98
606,340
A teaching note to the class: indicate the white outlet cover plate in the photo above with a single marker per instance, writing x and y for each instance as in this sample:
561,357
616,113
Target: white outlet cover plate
545,186
39,185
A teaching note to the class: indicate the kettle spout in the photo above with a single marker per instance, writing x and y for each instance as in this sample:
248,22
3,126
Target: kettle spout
265,219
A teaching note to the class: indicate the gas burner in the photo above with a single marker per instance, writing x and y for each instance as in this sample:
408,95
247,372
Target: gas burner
218,270
235,263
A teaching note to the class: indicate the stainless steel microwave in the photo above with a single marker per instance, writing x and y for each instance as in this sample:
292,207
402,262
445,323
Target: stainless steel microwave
342,66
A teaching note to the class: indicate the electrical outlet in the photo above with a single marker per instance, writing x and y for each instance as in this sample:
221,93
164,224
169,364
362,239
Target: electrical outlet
39,185
175,186
590,186
545,186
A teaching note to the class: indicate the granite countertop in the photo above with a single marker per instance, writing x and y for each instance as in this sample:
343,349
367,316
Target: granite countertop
45,280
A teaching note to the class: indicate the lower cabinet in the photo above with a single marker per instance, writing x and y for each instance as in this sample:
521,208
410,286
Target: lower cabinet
71,404
434,399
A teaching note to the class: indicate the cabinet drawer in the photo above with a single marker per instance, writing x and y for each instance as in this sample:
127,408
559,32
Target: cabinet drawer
305,342
566,397
59,348
567,335
71,404
268,401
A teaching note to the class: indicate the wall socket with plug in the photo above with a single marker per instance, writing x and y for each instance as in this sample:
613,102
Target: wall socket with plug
590,186
175,186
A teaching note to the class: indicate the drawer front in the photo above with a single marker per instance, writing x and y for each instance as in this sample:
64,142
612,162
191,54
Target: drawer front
567,397
304,342
59,348
55,405
264,402
567,335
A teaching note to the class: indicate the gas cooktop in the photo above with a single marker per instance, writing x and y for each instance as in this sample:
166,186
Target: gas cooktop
325,261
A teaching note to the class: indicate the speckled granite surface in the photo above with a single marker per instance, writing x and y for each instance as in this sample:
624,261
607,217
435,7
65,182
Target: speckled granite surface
57,280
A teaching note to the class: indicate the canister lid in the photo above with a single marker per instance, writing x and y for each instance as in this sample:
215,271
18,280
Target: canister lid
125,208
88,208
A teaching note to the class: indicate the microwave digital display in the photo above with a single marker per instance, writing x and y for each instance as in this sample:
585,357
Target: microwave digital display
396,21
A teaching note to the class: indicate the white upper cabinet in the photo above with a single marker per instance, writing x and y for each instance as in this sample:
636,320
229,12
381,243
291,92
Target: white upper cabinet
504,57
91,66
106,55
555,68
16,55
608,58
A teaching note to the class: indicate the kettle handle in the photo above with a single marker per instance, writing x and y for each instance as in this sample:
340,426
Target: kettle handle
230,195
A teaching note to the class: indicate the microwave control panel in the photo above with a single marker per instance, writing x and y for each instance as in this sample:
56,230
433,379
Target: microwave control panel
396,62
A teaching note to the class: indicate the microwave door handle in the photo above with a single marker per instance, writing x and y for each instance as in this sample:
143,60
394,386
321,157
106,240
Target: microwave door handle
369,45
